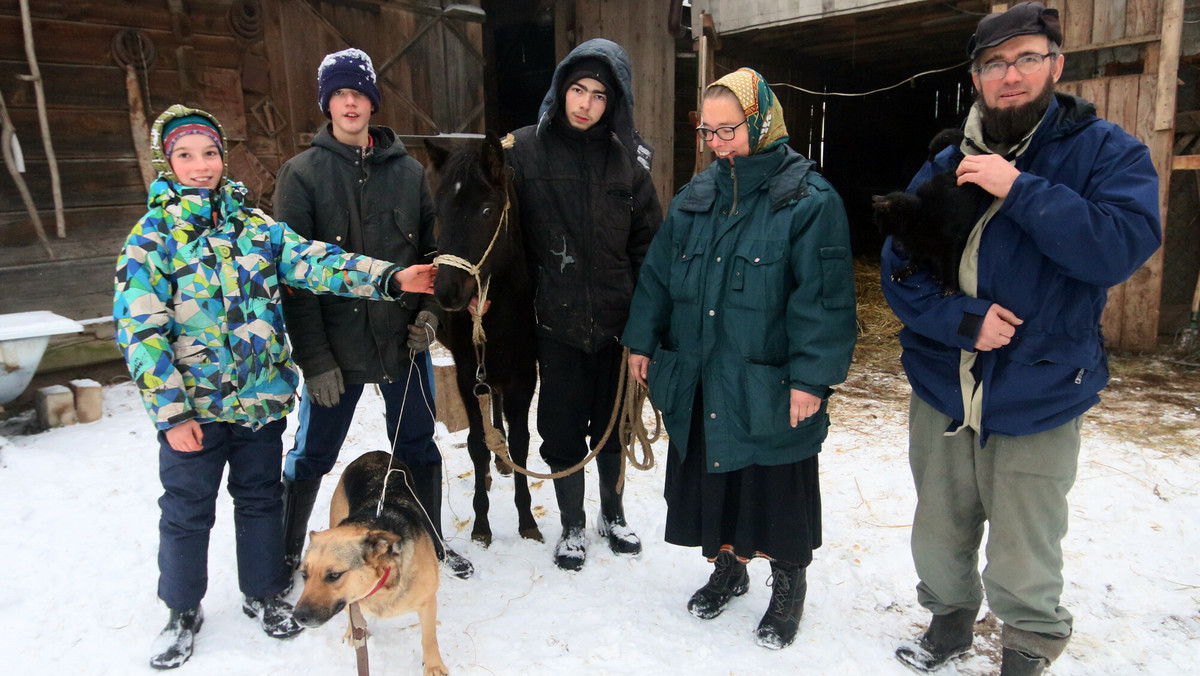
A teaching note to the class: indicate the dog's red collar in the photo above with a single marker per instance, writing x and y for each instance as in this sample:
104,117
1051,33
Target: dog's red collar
382,580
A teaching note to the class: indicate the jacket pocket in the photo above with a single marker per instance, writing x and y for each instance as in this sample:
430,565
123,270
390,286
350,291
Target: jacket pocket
759,279
408,226
687,270
662,379
837,278
765,401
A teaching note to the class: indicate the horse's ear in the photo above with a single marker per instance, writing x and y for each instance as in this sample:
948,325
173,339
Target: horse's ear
437,153
493,157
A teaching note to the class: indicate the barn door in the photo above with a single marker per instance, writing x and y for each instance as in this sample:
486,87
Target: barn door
427,55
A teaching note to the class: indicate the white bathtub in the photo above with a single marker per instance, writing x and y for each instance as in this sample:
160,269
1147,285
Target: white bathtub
23,340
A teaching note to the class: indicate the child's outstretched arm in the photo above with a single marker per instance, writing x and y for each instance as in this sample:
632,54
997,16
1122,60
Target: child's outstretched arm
144,321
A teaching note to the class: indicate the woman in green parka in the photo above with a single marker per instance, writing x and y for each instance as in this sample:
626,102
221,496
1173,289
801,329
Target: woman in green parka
742,320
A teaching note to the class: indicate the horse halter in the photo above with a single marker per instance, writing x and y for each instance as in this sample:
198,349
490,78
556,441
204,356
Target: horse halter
473,269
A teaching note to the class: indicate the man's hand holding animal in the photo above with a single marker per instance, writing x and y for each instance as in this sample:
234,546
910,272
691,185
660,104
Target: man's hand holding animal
993,173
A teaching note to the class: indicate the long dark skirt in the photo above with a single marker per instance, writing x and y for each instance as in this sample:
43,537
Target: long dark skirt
770,511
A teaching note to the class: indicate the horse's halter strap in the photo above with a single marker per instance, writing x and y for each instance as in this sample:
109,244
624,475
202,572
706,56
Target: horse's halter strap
477,334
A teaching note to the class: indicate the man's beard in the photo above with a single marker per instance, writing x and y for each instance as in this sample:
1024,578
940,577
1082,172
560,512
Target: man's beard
1007,126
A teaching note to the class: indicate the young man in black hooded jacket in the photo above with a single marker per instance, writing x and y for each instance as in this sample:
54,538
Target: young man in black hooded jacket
588,212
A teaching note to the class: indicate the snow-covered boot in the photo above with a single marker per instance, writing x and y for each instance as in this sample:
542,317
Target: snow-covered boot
173,646
427,484
298,500
789,586
273,614
947,637
729,579
1017,663
571,550
612,525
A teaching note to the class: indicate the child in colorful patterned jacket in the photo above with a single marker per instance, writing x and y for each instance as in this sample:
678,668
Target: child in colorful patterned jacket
199,321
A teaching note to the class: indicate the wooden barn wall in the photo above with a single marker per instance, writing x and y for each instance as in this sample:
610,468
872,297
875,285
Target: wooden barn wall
258,76
1131,318
641,28
429,68
197,59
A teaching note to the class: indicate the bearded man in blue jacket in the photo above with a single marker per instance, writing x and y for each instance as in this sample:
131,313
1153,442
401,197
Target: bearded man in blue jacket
1003,371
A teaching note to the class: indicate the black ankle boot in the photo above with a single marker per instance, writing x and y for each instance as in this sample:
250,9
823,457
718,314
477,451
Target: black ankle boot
611,524
427,486
273,614
729,578
789,586
947,637
173,646
571,550
298,500
1017,663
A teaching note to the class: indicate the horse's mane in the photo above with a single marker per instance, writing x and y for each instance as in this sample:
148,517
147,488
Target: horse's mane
463,165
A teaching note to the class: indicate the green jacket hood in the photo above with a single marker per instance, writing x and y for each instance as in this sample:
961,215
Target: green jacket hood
159,161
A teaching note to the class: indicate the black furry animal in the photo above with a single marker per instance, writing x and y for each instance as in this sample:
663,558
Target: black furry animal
932,226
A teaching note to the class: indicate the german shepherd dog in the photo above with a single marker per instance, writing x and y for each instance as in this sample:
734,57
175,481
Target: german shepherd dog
387,563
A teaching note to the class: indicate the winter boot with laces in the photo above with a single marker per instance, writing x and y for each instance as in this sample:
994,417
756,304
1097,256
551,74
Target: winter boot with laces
611,524
274,614
789,586
427,486
1019,663
571,550
173,646
947,637
729,579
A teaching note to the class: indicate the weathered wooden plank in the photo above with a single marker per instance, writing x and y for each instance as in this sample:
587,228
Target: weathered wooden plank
93,232
1168,70
77,289
1186,162
1077,22
208,17
60,42
1143,17
1101,21
1123,102
86,183
77,134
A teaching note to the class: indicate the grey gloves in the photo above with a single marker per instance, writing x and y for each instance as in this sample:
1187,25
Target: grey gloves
326,388
422,331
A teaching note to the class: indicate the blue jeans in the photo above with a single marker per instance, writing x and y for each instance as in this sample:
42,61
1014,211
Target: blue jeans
189,504
323,429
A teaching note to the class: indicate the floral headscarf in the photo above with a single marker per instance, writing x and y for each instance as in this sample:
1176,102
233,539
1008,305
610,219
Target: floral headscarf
764,115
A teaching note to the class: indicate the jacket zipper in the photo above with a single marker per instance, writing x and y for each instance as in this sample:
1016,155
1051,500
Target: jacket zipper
733,175
363,153
1079,376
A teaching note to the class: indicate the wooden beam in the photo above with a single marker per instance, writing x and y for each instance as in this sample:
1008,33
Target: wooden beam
1168,65
1185,162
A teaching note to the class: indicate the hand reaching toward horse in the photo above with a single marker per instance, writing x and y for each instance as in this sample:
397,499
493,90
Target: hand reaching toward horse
416,278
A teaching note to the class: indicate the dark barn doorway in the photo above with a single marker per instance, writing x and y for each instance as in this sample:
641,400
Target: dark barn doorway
874,143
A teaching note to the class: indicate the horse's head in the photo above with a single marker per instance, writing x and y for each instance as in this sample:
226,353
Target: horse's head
474,204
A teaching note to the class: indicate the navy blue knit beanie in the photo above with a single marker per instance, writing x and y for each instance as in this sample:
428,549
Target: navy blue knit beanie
347,69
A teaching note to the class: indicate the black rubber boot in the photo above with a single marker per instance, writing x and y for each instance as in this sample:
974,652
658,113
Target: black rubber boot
274,615
427,485
571,550
947,637
298,500
611,524
729,579
1017,663
789,586
173,646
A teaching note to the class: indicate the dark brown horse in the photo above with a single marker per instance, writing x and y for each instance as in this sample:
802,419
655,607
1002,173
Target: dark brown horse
480,226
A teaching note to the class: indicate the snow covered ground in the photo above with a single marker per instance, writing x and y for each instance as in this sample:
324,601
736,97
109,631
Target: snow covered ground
79,534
